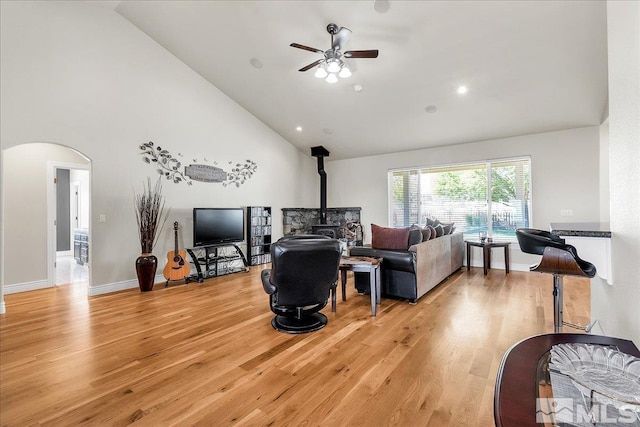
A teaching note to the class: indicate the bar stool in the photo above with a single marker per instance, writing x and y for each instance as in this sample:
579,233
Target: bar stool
559,259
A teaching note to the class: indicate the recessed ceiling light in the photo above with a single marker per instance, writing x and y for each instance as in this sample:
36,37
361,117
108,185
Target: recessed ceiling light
431,109
462,89
357,87
381,6
299,128
256,62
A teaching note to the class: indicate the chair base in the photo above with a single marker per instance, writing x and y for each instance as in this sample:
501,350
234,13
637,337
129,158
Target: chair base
558,305
291,325
558,308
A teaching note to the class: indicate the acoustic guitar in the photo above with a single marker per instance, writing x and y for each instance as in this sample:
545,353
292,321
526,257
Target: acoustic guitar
177,268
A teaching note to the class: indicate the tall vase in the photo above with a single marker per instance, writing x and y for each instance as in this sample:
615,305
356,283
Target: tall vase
146,266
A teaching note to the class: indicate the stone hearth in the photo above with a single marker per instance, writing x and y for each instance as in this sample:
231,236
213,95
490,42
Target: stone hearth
296,221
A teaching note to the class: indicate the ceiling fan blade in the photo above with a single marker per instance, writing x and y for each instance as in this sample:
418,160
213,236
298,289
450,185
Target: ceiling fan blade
303,47
361,54
310,66
341,38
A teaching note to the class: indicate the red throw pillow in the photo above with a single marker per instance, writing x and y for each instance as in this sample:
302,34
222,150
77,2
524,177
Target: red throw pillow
389,238
433,231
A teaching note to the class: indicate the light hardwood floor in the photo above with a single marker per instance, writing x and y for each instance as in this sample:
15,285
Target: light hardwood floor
205,354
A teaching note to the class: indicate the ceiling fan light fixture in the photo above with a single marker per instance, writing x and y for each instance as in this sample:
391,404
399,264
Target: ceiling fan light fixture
331,78
333,66
320,73
344,72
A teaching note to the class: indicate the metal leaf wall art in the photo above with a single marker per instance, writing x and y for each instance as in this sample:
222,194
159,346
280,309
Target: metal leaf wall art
240,173
171,168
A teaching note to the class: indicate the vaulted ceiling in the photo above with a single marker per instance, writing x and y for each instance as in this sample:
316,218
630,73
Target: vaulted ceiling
529,66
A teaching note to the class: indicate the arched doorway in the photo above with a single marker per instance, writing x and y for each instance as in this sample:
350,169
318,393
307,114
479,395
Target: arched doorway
30,212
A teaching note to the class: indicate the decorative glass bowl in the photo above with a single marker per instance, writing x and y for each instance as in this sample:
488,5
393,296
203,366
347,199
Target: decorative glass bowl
600,373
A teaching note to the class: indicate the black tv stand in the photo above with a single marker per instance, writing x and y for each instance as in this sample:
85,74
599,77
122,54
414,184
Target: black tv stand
216,262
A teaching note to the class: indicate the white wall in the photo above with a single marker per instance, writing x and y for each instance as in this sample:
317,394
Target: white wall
605,198
617,307
564,176
82,76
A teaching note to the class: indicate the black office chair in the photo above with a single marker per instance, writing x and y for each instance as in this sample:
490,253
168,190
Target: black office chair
559,259
303,271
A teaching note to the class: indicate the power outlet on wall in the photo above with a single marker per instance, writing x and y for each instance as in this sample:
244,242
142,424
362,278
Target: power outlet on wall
566,212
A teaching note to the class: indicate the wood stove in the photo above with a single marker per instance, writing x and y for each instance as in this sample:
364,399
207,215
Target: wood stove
333,231
337,223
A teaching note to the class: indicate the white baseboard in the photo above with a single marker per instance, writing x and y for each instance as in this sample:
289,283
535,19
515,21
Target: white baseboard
499,265
107,288
3,307
91,291
27,286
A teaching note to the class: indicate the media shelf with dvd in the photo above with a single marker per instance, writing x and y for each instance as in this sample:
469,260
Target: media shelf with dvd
259,234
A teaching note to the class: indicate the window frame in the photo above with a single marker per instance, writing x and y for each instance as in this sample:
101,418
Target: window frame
488,165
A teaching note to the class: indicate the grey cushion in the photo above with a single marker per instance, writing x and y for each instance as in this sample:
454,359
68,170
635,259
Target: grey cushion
448,227
415,235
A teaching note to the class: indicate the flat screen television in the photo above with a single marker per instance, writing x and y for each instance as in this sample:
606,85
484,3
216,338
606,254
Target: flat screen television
212,226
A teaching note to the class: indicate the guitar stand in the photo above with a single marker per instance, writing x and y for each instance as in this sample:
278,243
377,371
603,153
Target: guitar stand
186,280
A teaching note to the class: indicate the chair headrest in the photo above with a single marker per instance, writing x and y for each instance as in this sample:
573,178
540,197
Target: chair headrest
304,237
533,241
304,244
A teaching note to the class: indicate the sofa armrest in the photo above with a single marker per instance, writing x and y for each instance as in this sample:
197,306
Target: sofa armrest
397,260
437,259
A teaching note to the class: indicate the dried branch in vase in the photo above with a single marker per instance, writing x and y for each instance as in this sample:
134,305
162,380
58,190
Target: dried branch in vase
150,213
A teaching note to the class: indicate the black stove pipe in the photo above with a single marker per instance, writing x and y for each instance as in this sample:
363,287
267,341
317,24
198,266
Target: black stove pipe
320,153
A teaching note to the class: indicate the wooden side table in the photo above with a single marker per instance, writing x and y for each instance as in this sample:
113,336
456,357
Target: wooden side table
486,253
366,265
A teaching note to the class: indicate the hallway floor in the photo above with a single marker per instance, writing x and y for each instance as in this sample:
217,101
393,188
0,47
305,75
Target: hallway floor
69,271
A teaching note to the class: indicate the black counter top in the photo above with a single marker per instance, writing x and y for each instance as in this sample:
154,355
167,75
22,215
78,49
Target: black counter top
317,209
581,229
